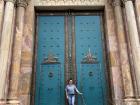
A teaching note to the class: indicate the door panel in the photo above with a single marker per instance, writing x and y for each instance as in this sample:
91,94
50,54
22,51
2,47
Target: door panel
50,85
89,60
73,41
50,59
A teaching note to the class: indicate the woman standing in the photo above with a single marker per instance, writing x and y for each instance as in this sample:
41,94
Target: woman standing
70,92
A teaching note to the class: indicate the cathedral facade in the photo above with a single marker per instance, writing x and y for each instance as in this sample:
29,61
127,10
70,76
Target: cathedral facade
44,43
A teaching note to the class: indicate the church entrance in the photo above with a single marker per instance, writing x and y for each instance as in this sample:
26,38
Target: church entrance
70,45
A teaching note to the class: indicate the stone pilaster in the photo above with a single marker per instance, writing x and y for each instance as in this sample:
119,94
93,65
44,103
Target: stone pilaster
17,48
27,56
116,80
1,14
5,46
137,6
134,39
134,99
124,60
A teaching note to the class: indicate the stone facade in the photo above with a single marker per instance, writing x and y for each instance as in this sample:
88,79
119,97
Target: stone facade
1,13
69,2
17,34
137,5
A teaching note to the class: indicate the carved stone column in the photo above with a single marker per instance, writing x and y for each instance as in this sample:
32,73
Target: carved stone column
134,39
114,61
124,60
137,5
16,58
5,46
1,15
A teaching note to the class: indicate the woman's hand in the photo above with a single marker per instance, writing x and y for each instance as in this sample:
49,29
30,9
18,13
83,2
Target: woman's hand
80,93
67,97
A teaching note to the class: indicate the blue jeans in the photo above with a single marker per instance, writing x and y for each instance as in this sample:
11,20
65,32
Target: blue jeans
71,99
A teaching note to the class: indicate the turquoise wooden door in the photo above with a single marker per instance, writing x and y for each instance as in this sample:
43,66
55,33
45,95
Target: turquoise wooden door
89,60
76,41
50,61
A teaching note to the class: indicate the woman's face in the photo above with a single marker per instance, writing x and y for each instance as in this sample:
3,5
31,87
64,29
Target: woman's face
70,82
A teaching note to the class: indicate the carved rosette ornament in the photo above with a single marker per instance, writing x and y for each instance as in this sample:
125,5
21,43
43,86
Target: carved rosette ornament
22,3
116,3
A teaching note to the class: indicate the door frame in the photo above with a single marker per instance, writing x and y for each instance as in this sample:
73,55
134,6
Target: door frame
104,45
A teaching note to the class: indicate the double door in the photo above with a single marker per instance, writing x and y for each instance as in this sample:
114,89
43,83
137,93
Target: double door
70,46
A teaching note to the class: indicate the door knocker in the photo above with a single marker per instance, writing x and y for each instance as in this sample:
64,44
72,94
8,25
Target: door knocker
50,74
90,74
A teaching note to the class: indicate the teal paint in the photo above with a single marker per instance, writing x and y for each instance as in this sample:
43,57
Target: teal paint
90,76
91,80
50,41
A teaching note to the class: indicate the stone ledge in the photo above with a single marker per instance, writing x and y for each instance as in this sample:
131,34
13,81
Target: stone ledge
2,102
131,101
9,102
13,102
68,2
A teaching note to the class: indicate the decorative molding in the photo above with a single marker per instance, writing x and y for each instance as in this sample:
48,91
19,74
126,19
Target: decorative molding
127,0
22,3
13,1
124,1
51,59
69,2
89,58
16,102
116,3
